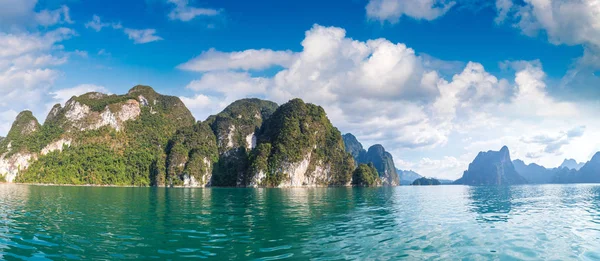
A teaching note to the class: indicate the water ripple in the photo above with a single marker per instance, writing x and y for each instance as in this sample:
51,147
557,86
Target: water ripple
547,222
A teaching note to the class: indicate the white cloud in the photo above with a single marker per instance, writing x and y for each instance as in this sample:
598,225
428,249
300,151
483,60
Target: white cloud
384,92
185,13
504,7
21,13
392,10
213,60
27,72
139,36
97,24
63,95
142,36
52,17
563,22
12,45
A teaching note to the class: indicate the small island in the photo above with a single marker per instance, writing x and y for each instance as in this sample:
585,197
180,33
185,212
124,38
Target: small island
426,182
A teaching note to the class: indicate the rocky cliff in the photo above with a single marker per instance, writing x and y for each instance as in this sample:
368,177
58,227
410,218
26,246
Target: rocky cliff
236,129
298,146
381,159
105,139
143,138
384,163
491,168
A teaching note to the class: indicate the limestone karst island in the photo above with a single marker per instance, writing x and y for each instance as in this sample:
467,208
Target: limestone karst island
314,130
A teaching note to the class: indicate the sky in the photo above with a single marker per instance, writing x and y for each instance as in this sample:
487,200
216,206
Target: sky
434,81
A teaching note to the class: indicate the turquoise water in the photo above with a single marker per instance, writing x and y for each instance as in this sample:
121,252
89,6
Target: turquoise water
550,222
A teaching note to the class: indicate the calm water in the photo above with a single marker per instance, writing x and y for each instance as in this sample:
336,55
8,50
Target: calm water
551,222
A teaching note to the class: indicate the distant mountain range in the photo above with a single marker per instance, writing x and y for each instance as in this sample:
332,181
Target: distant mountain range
571,164
496,168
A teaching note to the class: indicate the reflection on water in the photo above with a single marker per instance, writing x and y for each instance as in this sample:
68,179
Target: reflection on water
492,203
560,222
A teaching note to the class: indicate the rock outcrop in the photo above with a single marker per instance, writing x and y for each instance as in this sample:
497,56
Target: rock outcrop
298,146
381,159
106,139
426,182
384,163
492,168
143,138
236,129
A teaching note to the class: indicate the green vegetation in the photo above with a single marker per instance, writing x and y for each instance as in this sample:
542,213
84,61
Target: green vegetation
365,175
164,146
2,178
136,155
426,182
296,130
232,127
98,101
192,151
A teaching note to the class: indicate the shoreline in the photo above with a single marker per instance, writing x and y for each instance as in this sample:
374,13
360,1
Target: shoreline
129,186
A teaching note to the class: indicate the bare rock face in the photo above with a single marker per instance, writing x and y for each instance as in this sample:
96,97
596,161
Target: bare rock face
491,168
128,132
10,166
235,128
298,147
82,117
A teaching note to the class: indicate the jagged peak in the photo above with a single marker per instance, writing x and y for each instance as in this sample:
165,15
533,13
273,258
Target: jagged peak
377,148
24,124
53,113
505,149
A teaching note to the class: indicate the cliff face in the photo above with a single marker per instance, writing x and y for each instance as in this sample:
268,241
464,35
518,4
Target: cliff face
18,148
384,163
106,139
298,146
192,154
355,148
381,159
491,168
143,138
236,129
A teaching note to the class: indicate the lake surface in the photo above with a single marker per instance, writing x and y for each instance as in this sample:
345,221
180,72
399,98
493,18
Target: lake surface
550,222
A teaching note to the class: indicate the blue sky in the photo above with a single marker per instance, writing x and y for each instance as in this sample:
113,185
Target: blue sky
434,81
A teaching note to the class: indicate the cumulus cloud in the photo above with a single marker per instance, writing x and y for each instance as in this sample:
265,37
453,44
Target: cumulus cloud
142,36
384,92
27,68
21,13
562,22
213,60
392,10
183,12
